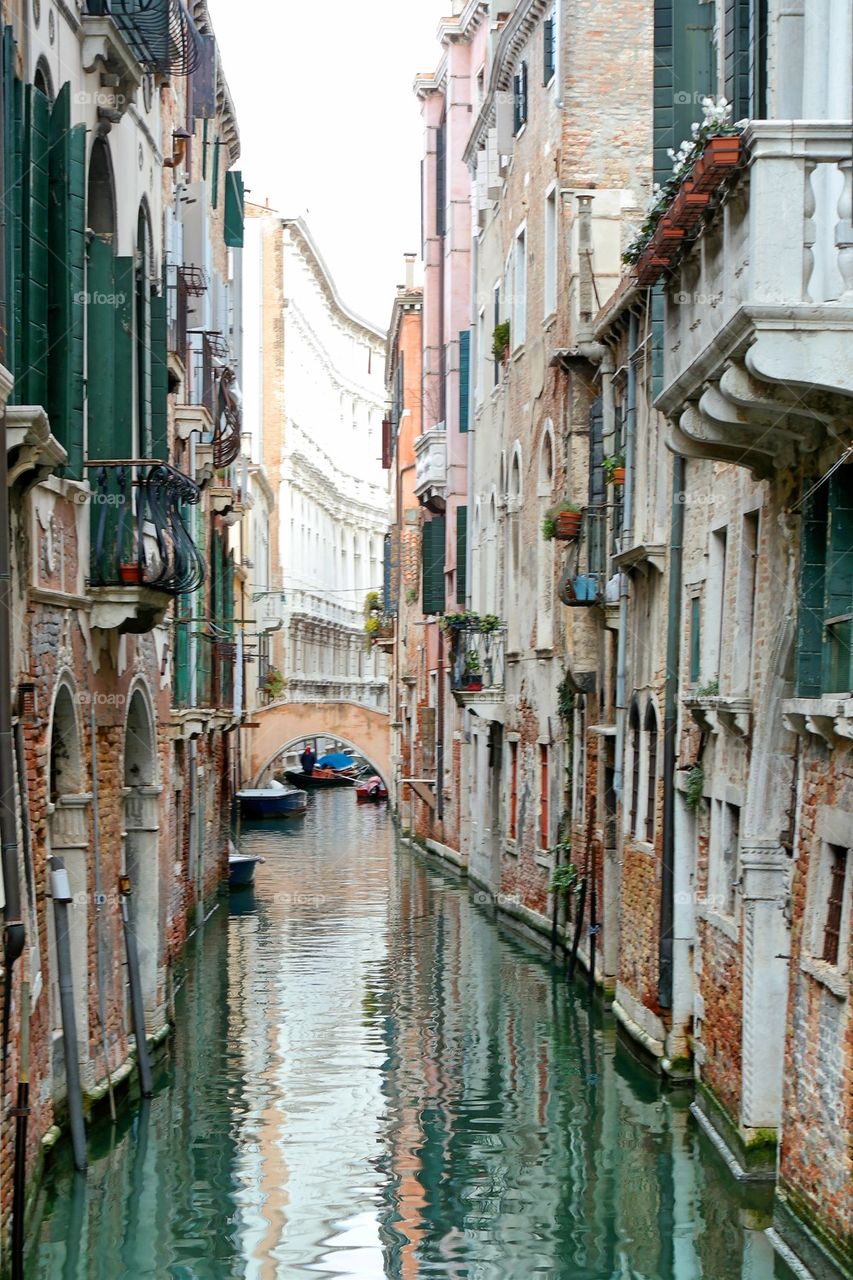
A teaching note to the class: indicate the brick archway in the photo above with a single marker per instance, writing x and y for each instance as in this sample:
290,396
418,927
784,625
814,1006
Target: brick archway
281,724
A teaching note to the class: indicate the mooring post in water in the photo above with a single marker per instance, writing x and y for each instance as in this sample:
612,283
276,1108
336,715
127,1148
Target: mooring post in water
137,1013
60,890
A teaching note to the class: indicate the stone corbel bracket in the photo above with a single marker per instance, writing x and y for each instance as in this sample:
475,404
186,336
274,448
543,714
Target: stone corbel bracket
30,444
105,49
717,713
829,719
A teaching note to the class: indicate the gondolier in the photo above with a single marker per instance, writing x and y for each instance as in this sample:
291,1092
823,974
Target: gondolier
308,759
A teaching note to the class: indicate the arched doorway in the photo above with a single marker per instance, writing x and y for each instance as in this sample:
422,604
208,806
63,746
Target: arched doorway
141,844
68,835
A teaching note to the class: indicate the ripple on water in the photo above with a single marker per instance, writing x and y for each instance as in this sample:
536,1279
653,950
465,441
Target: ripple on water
369,1081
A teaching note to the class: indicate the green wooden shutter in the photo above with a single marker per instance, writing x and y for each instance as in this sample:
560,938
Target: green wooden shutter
159,379
695,639
234,209
837,664
66,280
33,374
548,59
432,560
464,377
811,594
124,293
684,73
214,181
100,348
461,554
12,177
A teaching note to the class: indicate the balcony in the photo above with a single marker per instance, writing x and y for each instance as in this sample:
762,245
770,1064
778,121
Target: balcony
477,664
587,566
759,308
431,468
142,554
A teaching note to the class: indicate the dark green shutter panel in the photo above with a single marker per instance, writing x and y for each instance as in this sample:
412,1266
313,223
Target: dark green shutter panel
684,73
461,554
159,379
432,556
182,653
464,377
100,349
548,30
124,293
66,280
234,209
214,181
695,639
811,594
838,667
736,57
33,373
12,129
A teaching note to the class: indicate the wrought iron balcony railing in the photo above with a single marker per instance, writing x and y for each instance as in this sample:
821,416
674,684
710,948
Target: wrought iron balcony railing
477,660
160,33
139,536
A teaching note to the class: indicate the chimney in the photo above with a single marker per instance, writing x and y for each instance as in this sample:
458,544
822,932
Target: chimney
409,259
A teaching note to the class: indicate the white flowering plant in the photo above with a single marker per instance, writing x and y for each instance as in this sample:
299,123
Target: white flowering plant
715,123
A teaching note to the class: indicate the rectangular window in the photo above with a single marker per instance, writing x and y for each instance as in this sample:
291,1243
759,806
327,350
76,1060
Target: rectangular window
519,310
838,859
461,554
551,252
432,556
481,352
464,376
549,52
741,666
440,179
496,315
519,85
716,596
695,639
825,615
652,772
512,825
730,855
544,815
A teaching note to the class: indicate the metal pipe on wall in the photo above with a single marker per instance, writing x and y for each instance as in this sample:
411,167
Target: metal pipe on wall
60,891
670,727
627,528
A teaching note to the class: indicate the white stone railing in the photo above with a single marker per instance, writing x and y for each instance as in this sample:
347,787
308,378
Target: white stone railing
431,460
782,238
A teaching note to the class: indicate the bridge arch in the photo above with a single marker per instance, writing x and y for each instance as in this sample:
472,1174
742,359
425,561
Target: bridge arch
282,725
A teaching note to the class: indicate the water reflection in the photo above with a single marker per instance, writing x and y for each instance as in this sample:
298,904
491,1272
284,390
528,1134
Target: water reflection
370,1081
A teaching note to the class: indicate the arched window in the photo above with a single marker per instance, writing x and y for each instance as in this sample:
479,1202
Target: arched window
634,739
651,727
43,80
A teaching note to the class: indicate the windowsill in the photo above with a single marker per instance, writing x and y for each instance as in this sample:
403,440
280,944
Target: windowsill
517,352
726,924
827,975
544,859
549,321
550,82
521,131
547,651
513,656
828,718
639,846
511,848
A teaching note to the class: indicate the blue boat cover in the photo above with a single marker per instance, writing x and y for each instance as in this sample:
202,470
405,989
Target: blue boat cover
335,760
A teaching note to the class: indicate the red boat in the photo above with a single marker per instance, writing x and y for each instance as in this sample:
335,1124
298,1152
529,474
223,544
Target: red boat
371,789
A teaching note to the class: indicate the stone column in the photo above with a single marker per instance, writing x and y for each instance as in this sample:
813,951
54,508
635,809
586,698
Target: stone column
764,870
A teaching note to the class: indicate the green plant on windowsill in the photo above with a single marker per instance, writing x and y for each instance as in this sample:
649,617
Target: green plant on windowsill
615,462
565,876
500,341
549,528
711,689
372,603
555,516
489,623
694,787
273,685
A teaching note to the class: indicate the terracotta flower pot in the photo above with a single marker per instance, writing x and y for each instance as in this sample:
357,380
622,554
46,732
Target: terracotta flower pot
568,525
130,573
618,475
719,157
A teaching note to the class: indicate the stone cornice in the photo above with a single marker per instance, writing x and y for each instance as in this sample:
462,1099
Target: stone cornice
454,30
514,36
303,241
405,301
340,381
327,490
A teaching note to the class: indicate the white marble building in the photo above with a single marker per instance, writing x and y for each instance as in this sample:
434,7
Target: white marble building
317,389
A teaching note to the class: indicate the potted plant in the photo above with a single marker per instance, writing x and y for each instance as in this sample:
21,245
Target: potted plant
489,623
500,342
130,573
614,468
562,521
273,685
472,676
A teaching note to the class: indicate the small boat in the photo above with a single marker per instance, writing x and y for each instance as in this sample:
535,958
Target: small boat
319,779
241,869
371,789
274,801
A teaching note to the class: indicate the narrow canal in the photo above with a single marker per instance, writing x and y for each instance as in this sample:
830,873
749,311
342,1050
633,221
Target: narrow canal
370,1080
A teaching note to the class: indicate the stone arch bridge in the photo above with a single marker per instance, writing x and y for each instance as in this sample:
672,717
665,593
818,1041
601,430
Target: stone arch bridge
277,727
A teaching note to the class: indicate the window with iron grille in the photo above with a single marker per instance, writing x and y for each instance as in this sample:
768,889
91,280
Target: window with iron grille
651,770
838,858
634,728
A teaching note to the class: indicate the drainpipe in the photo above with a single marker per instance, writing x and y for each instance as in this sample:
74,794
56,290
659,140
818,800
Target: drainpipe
60,891
625,541
670,725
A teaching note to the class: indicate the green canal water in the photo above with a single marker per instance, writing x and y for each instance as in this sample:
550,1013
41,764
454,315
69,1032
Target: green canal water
369,1079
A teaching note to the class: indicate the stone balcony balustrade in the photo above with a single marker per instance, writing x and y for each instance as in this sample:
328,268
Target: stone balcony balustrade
431,468
759,308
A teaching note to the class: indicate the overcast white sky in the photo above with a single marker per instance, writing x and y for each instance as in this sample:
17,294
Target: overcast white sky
330,128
